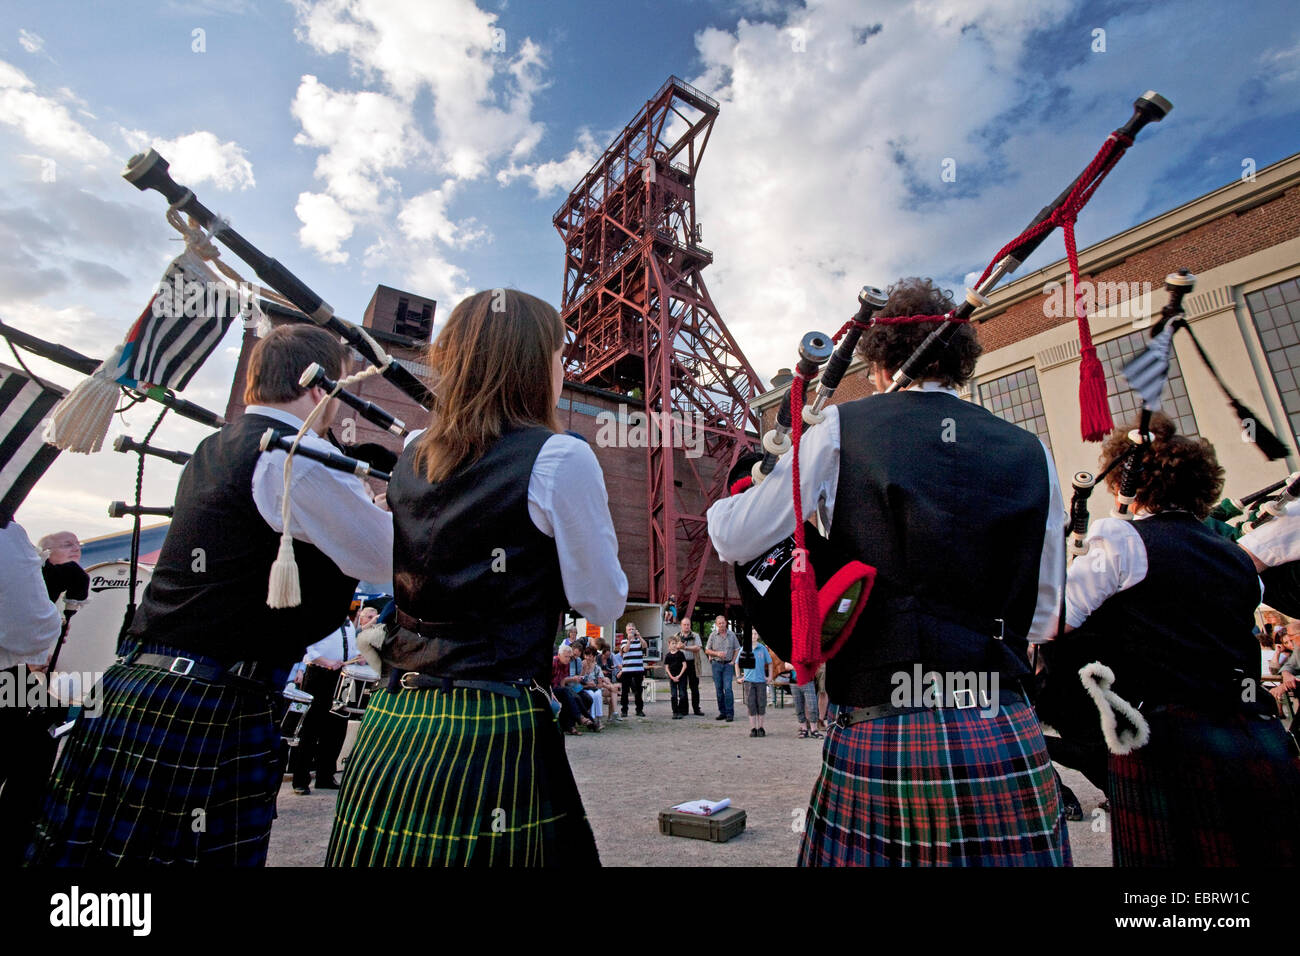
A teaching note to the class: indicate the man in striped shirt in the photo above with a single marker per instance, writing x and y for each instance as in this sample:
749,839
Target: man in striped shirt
633,672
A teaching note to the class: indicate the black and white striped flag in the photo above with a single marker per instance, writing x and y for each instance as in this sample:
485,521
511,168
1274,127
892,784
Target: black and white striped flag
24,456
1148,372
184,321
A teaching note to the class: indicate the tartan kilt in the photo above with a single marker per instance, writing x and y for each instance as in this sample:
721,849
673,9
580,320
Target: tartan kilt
466,778
130,780
937,788
1206,791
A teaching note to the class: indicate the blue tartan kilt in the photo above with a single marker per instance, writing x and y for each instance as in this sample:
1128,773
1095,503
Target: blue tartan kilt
171,771
1207,791
937,788
466,778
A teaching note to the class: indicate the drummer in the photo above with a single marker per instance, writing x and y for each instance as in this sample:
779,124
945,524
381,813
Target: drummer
181,765
321,739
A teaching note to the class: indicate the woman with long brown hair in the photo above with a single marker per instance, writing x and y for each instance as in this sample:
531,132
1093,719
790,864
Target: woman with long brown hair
501,522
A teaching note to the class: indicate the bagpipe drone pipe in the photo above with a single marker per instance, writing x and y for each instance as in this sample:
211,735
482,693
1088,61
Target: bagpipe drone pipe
828,592
1235,517
149,170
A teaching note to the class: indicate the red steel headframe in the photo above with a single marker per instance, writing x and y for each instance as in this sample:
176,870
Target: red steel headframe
638,316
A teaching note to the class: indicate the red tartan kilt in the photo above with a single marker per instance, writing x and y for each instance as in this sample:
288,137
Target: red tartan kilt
1206,792
937,788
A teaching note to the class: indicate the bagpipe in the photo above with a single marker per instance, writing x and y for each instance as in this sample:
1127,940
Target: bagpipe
148,171
825,603
1234,518
1071,705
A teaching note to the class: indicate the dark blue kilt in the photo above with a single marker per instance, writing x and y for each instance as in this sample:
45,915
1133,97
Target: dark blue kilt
171,771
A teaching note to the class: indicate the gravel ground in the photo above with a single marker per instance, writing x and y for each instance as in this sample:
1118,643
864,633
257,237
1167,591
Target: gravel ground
630,771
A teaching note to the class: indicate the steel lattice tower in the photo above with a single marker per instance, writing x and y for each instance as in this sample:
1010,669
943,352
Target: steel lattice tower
640,321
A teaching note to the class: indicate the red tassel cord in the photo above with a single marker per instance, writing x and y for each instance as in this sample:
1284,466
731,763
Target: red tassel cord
805,649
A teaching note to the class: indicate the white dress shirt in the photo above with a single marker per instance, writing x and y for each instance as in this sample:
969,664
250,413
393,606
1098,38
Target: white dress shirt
1115,561
1276,541
328,508
744,526
339,645
29,621
567,501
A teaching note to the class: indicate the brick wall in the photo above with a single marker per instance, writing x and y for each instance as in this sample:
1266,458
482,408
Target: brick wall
1211,244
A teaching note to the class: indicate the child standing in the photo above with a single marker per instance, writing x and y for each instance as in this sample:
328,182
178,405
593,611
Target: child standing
675,662
756,679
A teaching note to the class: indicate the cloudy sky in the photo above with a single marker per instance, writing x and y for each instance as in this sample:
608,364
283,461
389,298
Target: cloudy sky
426,144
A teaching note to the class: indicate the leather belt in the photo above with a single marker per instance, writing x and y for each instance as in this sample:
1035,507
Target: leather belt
849,716
414,680
249,674
423,628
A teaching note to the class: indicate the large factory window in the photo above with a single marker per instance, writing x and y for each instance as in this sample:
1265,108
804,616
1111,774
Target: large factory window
1276,311
1015,398
1124,402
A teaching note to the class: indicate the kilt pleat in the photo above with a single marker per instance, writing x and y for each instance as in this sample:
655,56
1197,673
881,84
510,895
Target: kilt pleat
1206,792
937,788
465,778
171,771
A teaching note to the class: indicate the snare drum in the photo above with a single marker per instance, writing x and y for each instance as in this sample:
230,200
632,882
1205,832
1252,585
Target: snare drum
299,702
356,683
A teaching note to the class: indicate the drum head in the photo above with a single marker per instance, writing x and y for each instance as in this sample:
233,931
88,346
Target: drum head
91,645
362,672
296,696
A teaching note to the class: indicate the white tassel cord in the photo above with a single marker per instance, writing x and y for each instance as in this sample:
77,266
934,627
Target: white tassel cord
284,588
1097,680
80,422
370,642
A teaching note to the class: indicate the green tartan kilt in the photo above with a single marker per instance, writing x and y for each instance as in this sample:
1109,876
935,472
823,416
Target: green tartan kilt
459,778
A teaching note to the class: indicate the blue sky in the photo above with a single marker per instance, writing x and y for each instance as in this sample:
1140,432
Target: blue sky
425,144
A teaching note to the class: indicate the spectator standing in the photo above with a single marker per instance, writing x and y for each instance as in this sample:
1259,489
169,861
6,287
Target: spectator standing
694,651
756,679
321,738
722,649
676,665
632,674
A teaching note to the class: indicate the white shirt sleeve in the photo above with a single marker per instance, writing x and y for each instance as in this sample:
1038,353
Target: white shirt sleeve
1276,541
331,510
1051,567
29,621
567,500
744,525
1116,560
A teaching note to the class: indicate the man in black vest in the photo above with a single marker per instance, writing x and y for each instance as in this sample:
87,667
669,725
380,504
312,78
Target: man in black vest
183,764
936,757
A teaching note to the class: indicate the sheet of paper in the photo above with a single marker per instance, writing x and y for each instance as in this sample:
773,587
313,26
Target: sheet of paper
704,808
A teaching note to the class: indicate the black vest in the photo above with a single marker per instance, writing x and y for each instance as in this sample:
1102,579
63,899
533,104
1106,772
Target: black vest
468,559
949,504
1181,635
208,590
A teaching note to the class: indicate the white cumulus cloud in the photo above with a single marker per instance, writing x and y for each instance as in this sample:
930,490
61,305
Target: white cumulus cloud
43,121
326,225
199,157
